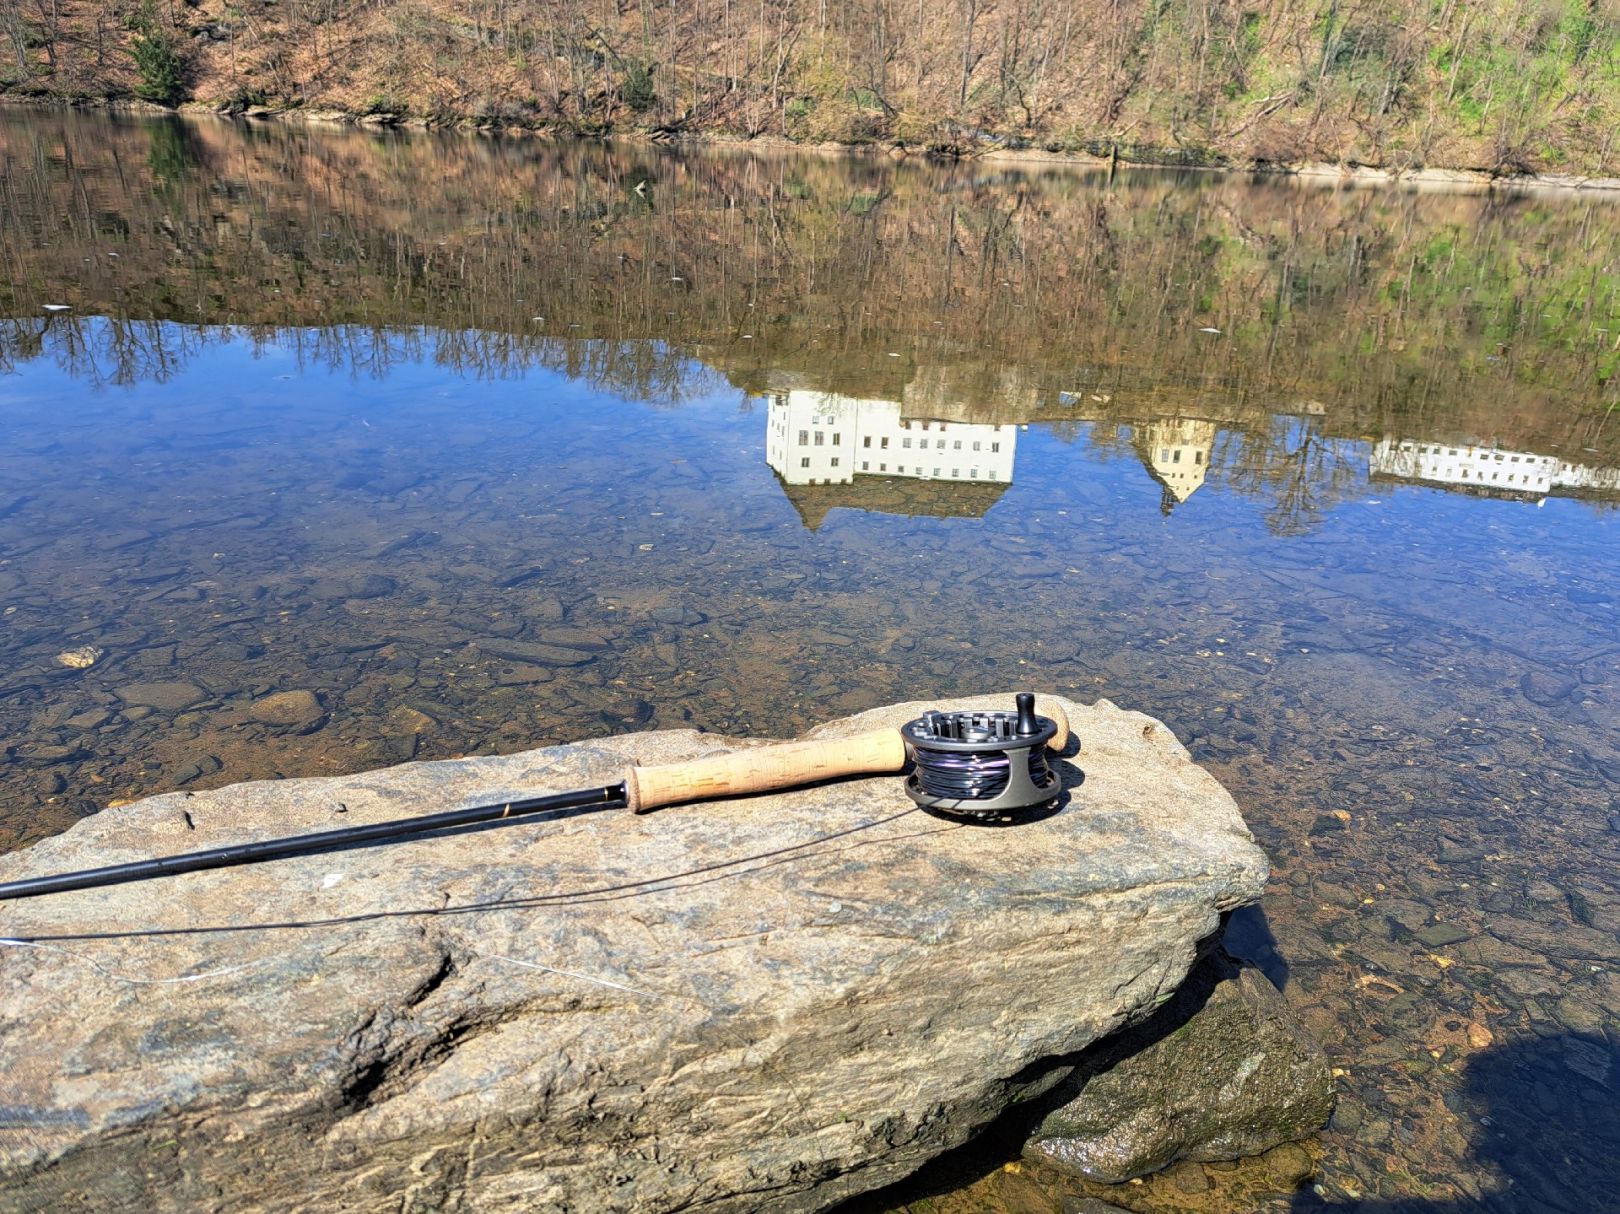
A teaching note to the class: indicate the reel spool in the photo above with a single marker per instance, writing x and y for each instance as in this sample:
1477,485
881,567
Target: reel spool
982,765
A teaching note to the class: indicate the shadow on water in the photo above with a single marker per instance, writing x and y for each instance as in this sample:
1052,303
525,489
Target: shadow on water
1546,1115
1248,935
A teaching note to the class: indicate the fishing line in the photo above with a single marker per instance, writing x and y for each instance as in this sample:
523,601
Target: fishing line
12,942
976,777
550,969
664,883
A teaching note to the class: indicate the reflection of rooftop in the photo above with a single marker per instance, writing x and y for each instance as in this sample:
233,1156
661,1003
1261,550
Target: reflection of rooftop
893,495
1489,471
833,450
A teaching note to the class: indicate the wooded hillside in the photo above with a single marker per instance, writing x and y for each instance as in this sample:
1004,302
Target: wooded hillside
1499,85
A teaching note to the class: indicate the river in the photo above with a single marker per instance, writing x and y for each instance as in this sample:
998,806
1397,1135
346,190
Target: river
493,443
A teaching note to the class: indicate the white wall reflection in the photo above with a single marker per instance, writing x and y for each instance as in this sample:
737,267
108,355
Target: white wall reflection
1488,470
824,438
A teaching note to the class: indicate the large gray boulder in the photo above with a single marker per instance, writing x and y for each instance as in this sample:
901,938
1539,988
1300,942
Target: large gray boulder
763,1004
1223,1070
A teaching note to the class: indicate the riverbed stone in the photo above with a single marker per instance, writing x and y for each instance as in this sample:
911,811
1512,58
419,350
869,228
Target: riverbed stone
1288,1165
1438,935
81,658
1223,1070
535,653
1547,688
761,1004
168,696
44,754
287,708
1568,941
353,586
406,719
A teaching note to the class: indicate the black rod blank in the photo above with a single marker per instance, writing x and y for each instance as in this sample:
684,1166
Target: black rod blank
610,797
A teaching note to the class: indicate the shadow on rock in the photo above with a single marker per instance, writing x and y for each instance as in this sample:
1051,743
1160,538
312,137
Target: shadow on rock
1221,1070
1546,1117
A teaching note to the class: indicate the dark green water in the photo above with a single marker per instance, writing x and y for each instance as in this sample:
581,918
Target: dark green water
494,444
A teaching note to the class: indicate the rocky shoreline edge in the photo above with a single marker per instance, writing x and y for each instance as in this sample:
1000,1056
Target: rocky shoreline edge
991,150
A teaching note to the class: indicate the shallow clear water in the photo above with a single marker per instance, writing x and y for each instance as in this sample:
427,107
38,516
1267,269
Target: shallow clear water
495,444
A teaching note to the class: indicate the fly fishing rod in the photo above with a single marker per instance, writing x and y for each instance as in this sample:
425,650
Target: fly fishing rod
976,765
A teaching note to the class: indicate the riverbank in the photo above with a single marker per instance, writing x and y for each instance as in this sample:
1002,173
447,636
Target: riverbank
1500,90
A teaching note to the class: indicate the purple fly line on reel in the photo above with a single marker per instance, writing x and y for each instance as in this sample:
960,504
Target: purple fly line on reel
982,765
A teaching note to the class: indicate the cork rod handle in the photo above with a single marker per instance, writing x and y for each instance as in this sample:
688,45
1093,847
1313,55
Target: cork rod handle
764,768
789,765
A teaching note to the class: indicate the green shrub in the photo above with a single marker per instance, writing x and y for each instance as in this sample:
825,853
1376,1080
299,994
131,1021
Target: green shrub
157,60
637,89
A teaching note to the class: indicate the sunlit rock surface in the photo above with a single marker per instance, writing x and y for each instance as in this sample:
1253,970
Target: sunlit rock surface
765,1004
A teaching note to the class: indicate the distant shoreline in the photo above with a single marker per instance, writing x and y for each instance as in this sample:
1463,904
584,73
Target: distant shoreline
1450,180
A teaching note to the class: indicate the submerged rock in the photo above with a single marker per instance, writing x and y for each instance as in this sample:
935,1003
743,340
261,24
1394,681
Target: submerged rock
768,1003
533,653
1221,1071
1547,689
170,697
287,708
353,586
82,658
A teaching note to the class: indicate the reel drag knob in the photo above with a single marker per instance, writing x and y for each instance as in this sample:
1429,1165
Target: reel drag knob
982,765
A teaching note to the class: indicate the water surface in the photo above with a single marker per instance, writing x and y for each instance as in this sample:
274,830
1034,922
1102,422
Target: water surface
491,444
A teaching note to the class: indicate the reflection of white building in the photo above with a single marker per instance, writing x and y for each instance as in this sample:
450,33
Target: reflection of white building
822,438
1176,452
1579,477
1488,469
1475,467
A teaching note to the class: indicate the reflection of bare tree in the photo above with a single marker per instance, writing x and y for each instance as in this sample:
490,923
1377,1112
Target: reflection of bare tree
1111,440
102,352
1291,464
21,341
118,352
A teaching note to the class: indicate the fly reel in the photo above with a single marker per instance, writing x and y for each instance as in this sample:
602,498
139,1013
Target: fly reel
982,765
